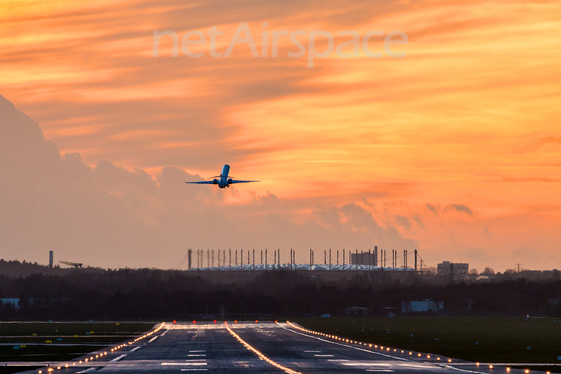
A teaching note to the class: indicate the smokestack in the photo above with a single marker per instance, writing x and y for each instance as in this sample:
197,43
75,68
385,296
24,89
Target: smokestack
189,252
375,255
51,259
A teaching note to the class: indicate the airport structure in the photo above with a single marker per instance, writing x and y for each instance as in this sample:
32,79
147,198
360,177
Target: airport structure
336,260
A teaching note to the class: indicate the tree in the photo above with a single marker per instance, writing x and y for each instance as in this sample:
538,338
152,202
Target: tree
488,271
474,272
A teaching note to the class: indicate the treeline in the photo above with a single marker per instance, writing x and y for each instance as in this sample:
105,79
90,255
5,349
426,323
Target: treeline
165,295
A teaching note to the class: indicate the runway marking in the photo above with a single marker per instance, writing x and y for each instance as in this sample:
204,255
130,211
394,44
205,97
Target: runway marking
444,366
118,358
261,355
154,338
312,351
324,356
198,350
184,363
342,345
197,355
136,349
194,369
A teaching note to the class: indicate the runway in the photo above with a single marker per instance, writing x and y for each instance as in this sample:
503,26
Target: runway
263,347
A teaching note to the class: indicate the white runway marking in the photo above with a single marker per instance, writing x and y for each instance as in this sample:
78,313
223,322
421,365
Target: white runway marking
118,358
184,363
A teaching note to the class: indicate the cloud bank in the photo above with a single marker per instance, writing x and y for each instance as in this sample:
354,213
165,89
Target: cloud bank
112,217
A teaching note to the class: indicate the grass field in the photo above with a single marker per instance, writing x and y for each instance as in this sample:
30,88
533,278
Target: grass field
477,339
36,341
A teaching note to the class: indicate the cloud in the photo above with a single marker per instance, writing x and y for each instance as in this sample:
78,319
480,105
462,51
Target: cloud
403,221
459,208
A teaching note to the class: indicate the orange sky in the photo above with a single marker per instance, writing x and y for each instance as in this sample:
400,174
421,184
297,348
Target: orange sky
469,118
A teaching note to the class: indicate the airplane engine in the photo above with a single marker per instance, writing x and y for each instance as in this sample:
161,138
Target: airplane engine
230,181
215,181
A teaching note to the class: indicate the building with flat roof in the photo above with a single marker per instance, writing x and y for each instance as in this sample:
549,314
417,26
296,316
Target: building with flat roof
448,268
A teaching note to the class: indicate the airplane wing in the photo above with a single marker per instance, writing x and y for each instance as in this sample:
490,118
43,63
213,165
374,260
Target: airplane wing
205,182
236,181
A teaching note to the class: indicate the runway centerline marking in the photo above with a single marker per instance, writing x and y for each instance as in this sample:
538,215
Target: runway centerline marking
261,355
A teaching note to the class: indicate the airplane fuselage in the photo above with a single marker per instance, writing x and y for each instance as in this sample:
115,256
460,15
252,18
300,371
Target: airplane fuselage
224,182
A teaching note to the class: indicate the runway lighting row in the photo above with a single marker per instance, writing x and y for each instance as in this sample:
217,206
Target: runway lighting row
334,337
99,355
259,354
114,349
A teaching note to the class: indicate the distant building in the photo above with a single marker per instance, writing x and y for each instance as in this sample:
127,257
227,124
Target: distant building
51,259
363,258
421,306
356,310
10,301
448,268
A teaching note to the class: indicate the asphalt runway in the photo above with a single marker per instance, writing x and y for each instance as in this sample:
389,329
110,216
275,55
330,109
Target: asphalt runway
264,347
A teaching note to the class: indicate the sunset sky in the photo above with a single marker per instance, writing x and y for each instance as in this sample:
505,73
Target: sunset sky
454,149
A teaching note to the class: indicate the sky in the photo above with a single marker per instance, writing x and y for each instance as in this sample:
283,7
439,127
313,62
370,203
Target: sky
453,149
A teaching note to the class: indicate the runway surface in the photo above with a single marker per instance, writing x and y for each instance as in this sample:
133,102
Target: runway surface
264,347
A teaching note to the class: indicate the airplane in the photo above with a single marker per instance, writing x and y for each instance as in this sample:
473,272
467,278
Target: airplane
224,181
